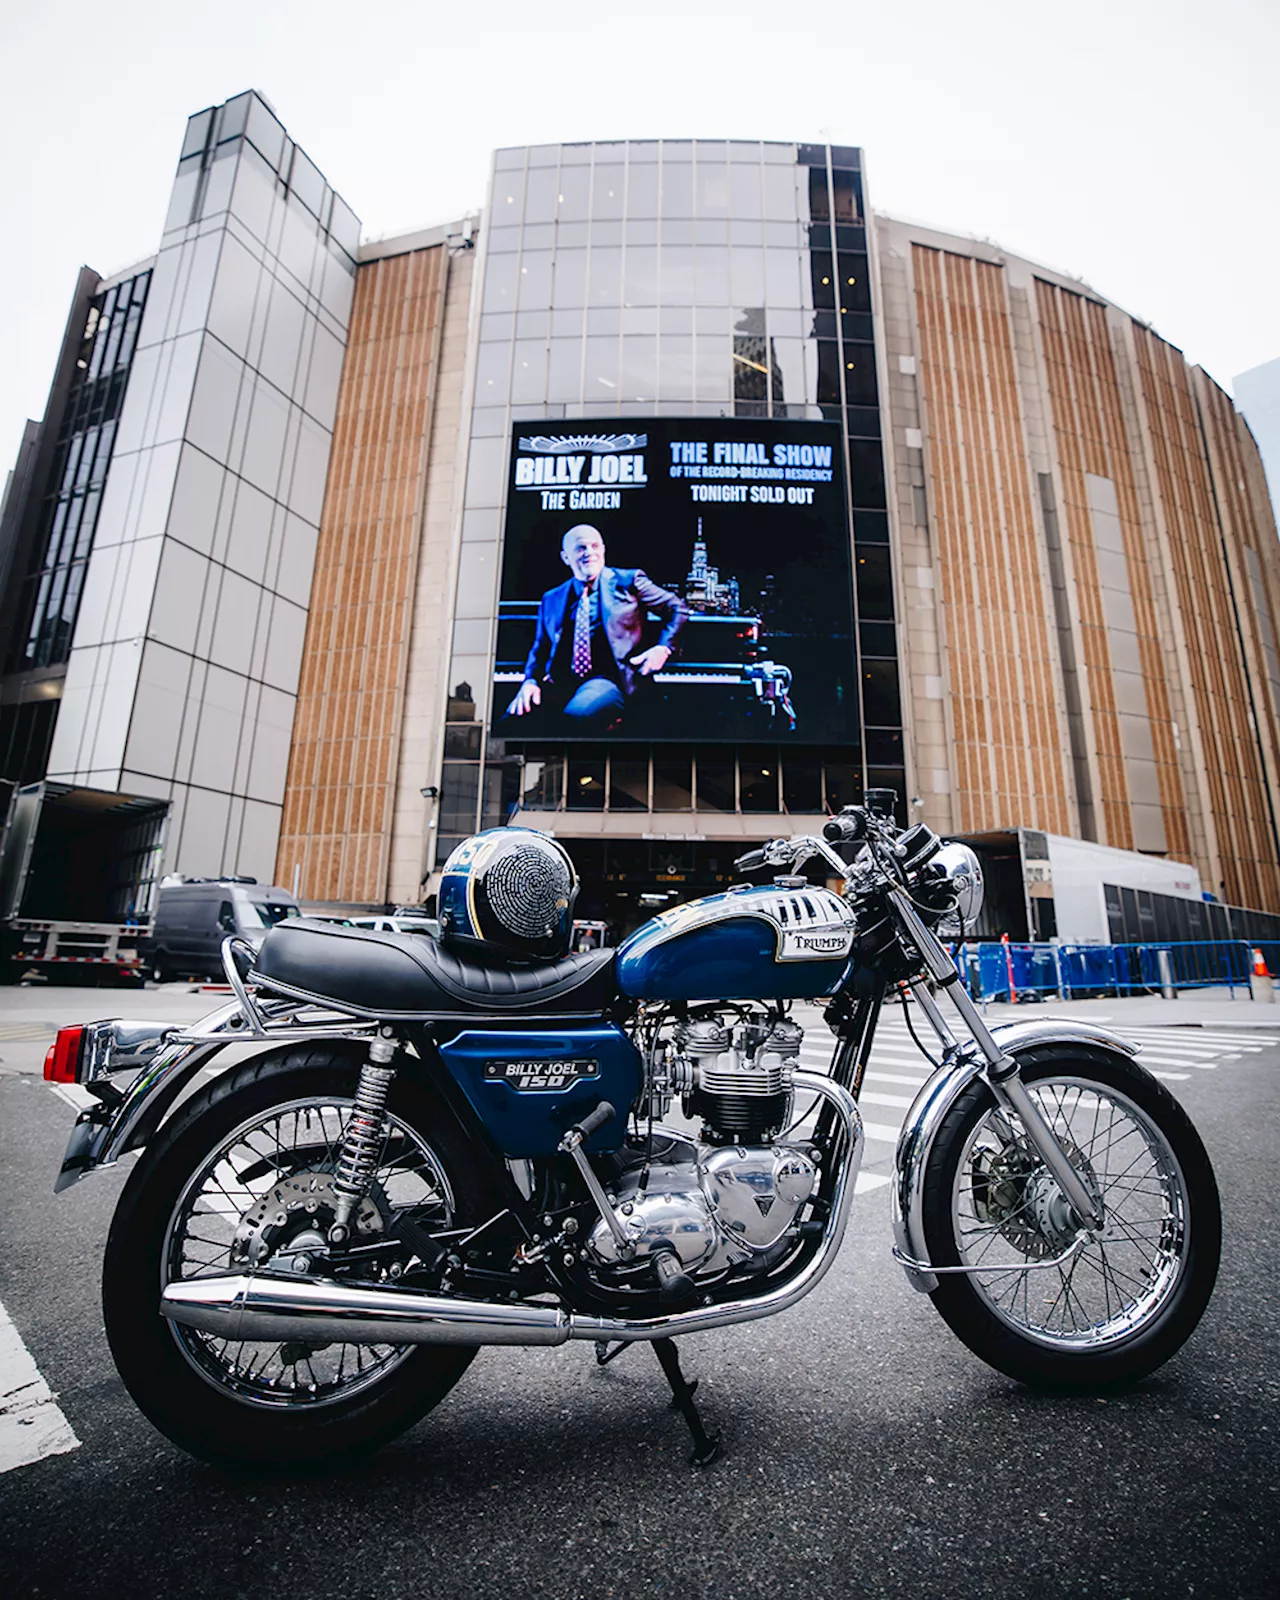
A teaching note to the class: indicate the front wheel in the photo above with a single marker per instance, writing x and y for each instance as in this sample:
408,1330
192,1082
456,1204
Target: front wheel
1048,1305
243,1177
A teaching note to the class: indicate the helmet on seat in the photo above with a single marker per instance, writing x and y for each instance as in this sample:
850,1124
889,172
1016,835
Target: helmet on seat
509,892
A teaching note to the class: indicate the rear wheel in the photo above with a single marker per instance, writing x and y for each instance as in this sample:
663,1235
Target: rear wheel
1092,1311
243,1178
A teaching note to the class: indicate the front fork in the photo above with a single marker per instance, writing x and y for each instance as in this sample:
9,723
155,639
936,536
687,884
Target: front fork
1002,1071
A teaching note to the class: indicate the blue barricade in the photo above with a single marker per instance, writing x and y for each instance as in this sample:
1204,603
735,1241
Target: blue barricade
1077,971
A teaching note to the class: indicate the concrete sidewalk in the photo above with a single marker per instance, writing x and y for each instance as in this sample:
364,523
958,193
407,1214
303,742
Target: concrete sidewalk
1194,1008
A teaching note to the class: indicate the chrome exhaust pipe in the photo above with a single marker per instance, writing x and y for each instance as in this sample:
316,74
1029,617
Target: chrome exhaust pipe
251,1306
239,1306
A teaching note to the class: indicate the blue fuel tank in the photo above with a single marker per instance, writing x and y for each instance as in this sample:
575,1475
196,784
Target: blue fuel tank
748,944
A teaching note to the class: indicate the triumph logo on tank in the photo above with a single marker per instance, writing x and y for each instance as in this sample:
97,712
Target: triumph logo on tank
816,946
541,1074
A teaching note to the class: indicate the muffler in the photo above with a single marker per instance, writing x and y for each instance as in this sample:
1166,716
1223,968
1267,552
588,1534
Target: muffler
239,1306
263,1308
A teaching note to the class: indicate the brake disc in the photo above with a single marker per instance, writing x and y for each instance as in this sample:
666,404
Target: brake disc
1014,1193
294,1215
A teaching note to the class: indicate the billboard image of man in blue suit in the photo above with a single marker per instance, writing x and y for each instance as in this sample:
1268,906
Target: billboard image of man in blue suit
589,655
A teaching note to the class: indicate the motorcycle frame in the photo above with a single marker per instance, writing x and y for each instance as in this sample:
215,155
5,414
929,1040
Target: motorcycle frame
124,1121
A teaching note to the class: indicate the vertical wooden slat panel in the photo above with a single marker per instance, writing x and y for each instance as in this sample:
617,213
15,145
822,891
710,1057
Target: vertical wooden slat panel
1010,767
342,768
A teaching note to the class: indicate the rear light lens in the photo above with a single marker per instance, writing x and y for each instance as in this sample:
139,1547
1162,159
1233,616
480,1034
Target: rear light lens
62,1064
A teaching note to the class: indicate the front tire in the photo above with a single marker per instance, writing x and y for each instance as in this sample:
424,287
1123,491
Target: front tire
196,1203
1118,1306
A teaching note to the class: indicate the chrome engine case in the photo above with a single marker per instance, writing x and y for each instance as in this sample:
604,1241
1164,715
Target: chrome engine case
716,1206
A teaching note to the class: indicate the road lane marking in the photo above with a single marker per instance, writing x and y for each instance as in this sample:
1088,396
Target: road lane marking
31,1423
75,1094
881,1131
871,1180
901,1101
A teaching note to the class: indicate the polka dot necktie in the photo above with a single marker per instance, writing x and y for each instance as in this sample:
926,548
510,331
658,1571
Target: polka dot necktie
582,635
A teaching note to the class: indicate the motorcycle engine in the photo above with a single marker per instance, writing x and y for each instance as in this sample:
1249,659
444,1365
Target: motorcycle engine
732,1197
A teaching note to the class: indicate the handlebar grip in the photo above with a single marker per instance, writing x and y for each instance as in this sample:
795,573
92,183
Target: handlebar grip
753,860
596,1119
847,828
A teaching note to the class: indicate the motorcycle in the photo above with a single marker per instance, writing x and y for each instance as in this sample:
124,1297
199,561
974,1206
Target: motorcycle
399,1151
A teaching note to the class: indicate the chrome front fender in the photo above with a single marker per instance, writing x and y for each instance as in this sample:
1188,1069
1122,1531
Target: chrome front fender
929,1110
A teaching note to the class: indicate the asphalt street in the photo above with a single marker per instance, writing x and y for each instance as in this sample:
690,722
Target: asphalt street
866,1451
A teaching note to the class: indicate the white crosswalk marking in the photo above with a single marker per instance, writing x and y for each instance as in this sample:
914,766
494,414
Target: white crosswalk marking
31,1425
896,1062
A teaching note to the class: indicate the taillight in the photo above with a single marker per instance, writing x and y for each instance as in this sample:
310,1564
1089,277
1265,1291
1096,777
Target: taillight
62,1064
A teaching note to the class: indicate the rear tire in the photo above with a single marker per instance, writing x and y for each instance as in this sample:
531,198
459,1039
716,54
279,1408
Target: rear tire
189,1388
1118,1309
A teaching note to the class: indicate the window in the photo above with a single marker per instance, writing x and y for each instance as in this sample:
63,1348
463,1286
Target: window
828,372
847,187
842,779
854,282
716,785
819,200
628,779
860,374
881,706
586,783
802,781
758,778
874,580
672,780
50,592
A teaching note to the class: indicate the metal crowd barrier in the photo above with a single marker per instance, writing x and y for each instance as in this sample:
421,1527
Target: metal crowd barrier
1008,971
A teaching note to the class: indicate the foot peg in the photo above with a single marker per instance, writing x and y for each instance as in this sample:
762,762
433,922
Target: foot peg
674,1283
706,1446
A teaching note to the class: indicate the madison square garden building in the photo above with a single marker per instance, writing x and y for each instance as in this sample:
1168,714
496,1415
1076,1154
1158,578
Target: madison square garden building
861,504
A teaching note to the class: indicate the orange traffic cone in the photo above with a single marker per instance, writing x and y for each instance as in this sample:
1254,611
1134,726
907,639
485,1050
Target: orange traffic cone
1261,986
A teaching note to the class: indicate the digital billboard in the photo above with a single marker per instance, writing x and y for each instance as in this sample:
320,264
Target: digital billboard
676,579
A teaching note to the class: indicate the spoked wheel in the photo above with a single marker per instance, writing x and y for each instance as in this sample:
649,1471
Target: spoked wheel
1049,1302
242,1179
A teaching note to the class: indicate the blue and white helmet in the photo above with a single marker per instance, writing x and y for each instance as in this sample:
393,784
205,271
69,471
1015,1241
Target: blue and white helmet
509,892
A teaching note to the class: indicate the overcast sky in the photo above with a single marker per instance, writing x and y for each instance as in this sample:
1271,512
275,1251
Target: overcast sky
1135,143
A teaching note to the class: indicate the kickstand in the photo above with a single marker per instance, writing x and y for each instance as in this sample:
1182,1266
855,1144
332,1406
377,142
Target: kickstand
604,1355
706,1447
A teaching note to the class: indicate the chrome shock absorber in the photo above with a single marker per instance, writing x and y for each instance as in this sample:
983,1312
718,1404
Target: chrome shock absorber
362,1140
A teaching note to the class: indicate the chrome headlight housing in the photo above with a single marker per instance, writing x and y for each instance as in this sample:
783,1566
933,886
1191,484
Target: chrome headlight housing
955,874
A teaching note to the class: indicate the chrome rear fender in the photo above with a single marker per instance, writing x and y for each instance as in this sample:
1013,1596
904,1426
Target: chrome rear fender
929,1110
125,1120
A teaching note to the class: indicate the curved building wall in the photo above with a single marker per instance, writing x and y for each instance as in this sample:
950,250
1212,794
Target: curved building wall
1067,581
1090,565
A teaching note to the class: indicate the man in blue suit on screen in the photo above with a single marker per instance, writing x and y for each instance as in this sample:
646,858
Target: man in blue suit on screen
586,660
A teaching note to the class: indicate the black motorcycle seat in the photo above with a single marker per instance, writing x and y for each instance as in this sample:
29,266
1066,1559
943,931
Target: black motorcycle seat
413,975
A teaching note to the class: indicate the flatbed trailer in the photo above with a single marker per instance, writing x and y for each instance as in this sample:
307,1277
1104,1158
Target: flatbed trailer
78,874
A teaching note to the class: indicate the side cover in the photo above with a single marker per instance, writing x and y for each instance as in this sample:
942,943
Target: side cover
529,1087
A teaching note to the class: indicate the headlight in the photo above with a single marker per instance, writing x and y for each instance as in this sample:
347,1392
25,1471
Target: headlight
956,871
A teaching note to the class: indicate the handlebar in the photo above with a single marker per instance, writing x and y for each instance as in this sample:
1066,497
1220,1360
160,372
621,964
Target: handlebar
847,828
752,861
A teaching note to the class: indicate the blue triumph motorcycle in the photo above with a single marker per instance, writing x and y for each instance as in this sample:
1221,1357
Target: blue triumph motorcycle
402,1149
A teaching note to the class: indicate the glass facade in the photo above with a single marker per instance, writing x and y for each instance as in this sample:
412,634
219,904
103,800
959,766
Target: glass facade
184,672
50,600
702,278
